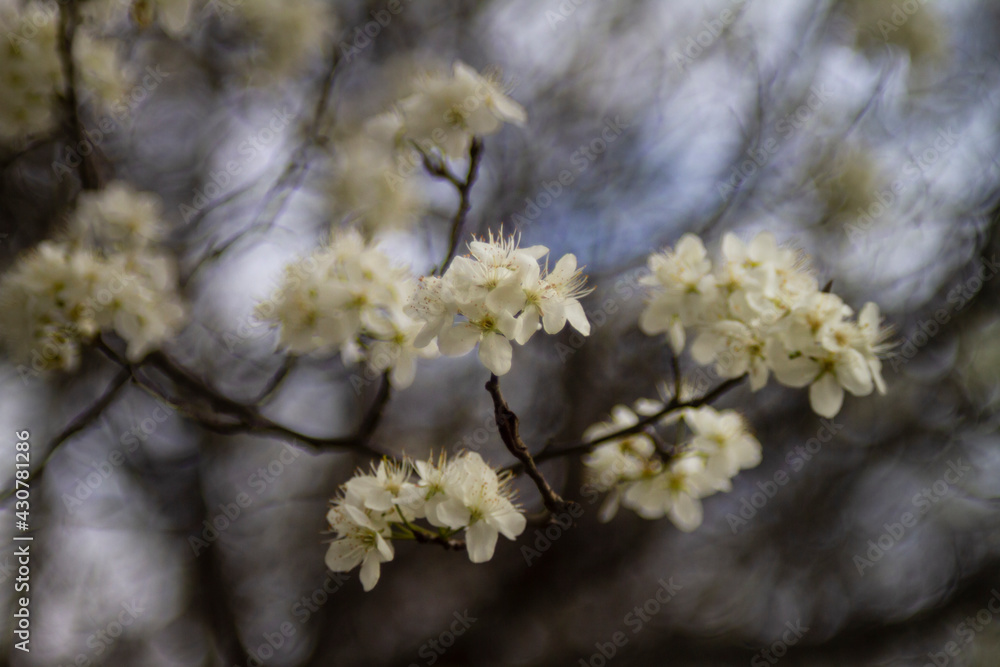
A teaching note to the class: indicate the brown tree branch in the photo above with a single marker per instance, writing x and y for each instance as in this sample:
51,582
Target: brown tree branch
220,414
69,20
446,542
79,423
464,196
672,406
507,424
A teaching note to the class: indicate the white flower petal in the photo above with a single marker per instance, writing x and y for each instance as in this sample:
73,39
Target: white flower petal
343,555
370,572
577,317
686,512
459,340
826,396
481,541
495,352
510,523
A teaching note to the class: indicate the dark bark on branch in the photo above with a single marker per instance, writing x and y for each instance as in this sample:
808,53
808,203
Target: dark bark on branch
507,424
79,423
464,196
671,406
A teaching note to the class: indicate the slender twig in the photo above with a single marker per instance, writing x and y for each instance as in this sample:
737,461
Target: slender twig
277,379
424,536
507,424
464,199
672,405
446,542
220,414
675,366
79,423
69,19
289,179
374,414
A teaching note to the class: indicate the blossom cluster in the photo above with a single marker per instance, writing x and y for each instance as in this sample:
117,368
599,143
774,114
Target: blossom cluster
29,68
463,494
374,166
501,293
367,187
171,15
656,483
758,310
104,273
281,37
31,72
348,297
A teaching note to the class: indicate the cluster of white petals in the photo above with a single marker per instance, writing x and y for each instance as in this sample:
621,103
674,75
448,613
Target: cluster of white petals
655,483
448,109
501,293
368,184
282,36
758,310
101,70
463,494
30,71
106,273
348,297
374,171
174,16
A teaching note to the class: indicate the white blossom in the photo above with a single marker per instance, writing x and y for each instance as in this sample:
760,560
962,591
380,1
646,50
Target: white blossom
498,294
684,289
623,459
118,217
30,71
675,492
759,310
101,69
725,441
59,297
367,184
447,111
348,297
361,540
280,37
466,493
386,489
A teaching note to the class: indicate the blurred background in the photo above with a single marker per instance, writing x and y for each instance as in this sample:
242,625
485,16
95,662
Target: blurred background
863,131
